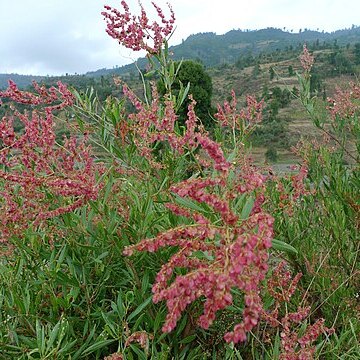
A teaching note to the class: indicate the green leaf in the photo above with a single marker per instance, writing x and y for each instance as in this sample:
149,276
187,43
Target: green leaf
232,156
108,189
53,335
63,279
247,208
276,347
182,95
140,308
101,256
181,326
188,204
158,320
110,325
141,355
61,258
40,337
283,246
239,202
120,308
84,344
188,339
67,347
140,320
145,283
171,71
149,74
98,345
203,255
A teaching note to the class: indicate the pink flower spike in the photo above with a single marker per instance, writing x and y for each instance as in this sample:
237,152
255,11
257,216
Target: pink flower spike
136,32
306,59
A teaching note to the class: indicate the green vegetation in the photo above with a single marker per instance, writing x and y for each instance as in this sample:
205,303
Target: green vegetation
200,87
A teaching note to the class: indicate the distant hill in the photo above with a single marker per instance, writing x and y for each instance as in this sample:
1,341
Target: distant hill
214,50
21,80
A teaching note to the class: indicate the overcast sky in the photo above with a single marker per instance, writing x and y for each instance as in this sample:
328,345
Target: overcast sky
54,37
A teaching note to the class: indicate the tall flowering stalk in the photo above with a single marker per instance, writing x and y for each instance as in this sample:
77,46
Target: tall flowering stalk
224,240
39,178
240,122
137,32
343,107
344,110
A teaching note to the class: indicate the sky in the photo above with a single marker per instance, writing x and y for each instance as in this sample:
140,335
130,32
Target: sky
55,37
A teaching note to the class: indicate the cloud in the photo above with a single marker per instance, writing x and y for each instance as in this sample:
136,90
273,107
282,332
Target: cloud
53,39
68,36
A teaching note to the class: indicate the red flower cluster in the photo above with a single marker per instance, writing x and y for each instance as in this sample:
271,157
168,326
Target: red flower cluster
114,356
141,337
61,96
229,116
214,151
345,103
135,32
306,59
291,188
219,251
39,179
282,286
156,122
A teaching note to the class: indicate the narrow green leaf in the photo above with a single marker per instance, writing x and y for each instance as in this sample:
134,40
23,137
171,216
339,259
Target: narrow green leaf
101,256
283,246
120,306
188,339
67,347
145,283
141,355
276,347
61,258
247,208
53,335
232,156
180,327
140,308
84,346
98,345
183,93
110,324
186,203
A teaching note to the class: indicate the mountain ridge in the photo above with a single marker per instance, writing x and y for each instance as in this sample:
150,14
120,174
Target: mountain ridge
214,50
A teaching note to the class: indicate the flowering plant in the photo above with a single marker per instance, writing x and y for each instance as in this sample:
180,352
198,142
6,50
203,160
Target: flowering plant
282,286
41,179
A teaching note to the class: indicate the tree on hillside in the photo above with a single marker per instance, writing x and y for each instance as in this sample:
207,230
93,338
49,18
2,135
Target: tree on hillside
256,70
272,73
200,88
357,53
291,70
340,62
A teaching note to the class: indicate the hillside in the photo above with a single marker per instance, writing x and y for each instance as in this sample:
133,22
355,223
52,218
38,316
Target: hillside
269,74
274,78
215,50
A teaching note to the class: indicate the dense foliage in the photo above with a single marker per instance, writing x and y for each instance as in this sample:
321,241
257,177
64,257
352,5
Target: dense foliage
135,238
200,87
